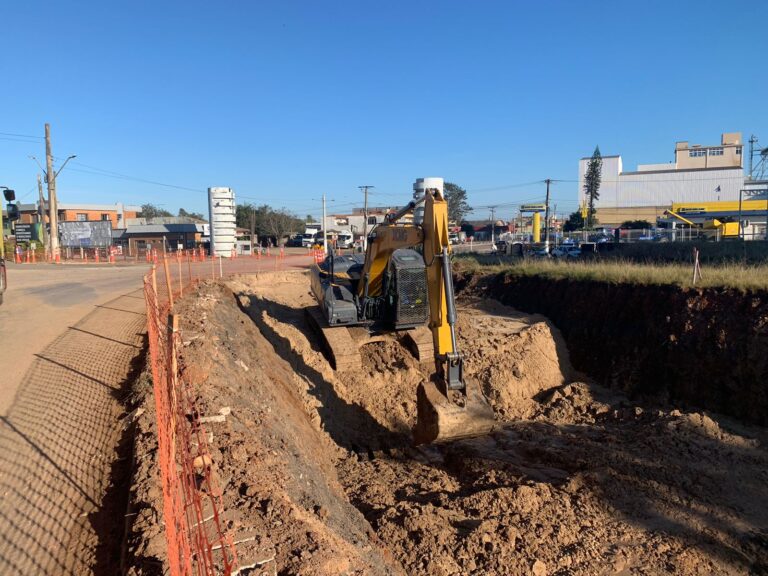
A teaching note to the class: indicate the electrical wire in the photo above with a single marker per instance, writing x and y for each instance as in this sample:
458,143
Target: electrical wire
21,135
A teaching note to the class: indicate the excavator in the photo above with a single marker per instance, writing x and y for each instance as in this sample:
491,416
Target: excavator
403,286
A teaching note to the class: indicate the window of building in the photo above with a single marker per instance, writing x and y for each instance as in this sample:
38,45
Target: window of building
105,216
82,217
738,150
715,151
697,152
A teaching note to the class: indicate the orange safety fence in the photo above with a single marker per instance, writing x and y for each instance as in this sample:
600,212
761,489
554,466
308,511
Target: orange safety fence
195,529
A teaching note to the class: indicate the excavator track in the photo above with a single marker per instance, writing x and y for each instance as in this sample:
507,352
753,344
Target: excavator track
338,342
420,342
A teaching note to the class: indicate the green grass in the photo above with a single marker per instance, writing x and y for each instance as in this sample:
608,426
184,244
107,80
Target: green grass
728,275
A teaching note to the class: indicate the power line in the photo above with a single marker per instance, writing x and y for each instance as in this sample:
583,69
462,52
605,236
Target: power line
7,139
21,135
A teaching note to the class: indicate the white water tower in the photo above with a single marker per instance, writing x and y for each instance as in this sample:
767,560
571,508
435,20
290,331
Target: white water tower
221,215
419,188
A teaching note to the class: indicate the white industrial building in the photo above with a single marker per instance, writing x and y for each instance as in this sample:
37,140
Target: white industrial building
698,174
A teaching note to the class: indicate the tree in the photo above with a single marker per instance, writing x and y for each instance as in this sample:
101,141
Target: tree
457,202
309,218
152,211
592,184
281,223
184,214
576,221
636,225
266,221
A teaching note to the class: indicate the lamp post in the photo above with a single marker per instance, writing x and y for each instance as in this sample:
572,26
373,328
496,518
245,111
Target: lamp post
53,210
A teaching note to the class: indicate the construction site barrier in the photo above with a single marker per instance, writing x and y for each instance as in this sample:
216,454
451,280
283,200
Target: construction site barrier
198,543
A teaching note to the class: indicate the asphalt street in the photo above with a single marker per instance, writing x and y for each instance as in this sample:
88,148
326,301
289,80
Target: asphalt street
44,300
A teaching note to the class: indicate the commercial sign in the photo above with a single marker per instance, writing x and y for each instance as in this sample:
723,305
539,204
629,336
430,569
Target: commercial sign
23,232
86,234
533,207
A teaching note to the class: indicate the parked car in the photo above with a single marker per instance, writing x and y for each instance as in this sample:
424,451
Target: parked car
453,237
294,241
541,253
566,251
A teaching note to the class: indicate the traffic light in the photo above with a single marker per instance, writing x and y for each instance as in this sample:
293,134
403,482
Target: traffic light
13,212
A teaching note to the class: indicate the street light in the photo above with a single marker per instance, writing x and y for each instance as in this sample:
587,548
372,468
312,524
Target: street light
53,209
65,163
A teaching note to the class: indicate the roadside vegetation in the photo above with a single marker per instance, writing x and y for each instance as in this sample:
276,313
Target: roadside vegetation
727,275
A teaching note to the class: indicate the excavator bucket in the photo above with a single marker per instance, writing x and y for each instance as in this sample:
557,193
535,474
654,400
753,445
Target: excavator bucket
441,420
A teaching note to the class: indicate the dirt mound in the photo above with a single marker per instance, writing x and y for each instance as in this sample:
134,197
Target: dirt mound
514,357
319,465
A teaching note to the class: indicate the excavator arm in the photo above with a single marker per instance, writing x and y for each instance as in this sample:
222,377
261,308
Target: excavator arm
449,406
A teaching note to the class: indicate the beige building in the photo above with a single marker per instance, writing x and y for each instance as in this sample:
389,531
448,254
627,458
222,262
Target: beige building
727,155
698,174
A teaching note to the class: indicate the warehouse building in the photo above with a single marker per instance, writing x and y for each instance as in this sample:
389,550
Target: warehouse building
698,174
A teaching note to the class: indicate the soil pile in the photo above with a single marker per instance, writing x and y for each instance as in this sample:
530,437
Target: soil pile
580,480
514,356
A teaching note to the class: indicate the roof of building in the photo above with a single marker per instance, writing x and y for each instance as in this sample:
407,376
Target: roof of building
611,156
96,207
679,170
161,229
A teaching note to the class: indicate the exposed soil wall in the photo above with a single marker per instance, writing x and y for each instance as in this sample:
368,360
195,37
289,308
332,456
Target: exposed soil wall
704,348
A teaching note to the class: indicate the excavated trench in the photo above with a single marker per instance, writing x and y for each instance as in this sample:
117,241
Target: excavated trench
318,465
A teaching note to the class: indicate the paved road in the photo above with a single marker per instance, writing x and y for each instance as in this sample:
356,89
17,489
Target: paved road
42,301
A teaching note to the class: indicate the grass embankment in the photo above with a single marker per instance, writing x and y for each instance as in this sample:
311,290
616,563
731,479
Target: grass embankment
729,275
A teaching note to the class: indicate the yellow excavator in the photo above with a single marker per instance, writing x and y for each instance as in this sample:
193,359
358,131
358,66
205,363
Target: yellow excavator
403,285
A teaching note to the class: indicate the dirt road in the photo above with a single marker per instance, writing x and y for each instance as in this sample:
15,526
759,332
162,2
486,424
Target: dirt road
578,479
42,301
63,419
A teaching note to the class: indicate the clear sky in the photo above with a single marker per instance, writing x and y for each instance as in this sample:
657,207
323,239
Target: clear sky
284,100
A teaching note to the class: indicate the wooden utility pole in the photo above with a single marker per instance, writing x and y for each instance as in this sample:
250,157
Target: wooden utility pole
546,217
493,225
41,211
252,221
52,203
324,232
365,216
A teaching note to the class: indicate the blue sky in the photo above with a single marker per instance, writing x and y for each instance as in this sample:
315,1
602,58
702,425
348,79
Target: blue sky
285,100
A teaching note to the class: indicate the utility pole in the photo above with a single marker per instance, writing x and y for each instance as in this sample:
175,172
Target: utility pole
752,142
52,204
365,216
252,222
493,225
325,233
546,218
41,211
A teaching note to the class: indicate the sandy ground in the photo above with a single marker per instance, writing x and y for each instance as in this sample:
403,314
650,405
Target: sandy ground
578,480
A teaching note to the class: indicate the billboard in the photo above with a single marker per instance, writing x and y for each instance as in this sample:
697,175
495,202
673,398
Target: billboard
86,234
533,207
